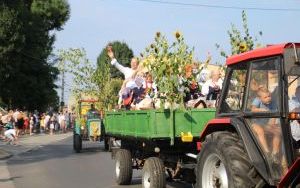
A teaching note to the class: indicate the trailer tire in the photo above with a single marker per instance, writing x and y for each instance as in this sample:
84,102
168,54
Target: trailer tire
77,143
223,162
153,173
106,143
123,167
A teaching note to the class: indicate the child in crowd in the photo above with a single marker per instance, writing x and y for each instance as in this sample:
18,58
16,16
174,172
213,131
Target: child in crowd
10,134
31,124
261,126
150,87
26,124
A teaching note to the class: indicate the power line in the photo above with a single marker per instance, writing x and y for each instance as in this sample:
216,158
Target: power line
218,6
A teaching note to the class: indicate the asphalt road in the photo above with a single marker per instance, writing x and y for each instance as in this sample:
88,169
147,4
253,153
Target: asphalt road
57,166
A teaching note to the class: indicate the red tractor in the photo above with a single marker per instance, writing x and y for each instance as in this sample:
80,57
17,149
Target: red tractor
255,138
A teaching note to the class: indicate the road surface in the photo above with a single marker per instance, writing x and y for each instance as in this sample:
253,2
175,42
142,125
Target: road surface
56,166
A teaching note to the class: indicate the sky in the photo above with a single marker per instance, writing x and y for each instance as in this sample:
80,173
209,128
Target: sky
95,23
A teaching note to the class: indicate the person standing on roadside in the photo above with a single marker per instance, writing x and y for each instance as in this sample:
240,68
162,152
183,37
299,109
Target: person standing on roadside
52,124
19,124
26,124
61,121
31,125
42,123
47,121
36,121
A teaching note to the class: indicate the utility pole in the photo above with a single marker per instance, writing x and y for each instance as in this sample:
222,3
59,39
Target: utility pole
62,104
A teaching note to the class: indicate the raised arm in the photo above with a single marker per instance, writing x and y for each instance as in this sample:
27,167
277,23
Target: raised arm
114,62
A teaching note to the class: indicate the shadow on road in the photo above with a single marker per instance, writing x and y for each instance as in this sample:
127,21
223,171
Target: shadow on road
61,149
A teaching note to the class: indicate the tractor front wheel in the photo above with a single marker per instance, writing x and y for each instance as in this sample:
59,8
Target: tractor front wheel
77,143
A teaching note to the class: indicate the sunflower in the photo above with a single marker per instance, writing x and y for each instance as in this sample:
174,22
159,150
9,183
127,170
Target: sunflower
177,34
243,47
158,34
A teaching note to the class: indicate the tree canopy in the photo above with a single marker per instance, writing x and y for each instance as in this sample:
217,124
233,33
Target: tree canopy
122,53
26,76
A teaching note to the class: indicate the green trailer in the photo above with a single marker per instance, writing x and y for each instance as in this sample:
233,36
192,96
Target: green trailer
155,140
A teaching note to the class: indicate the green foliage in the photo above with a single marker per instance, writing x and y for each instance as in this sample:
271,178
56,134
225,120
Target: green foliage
122,53
87,80
74,61
52,13
166,63
107,78
26,77
240,41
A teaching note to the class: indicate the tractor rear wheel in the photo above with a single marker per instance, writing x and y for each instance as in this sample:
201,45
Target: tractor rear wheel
223,162
123,167
77,143
153,173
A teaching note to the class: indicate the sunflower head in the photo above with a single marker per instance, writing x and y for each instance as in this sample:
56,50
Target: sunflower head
243,47
158,34
177,34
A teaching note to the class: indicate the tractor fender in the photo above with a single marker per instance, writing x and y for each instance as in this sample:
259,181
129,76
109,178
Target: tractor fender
77,128
292,177
239,126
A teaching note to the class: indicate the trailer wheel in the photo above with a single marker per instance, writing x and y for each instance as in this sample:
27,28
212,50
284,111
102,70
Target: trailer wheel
77,143
153,173
106,143
123,167
223,162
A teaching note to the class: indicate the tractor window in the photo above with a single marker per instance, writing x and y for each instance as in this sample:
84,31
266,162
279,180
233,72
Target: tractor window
262,102
235,89
263,92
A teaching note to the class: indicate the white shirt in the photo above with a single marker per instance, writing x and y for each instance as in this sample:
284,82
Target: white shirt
128,72
61,118
205,87
47,119
10,132
295,126
202,76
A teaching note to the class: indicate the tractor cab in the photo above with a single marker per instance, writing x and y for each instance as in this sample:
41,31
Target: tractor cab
260,107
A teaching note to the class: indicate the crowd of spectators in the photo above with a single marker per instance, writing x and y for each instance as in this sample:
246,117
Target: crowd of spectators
15,123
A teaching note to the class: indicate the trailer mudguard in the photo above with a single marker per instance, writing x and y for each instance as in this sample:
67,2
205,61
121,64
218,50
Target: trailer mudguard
239,126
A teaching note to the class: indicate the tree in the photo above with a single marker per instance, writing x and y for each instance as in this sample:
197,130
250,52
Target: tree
27,78
240,41
122,53
108,87
74,61
87,81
